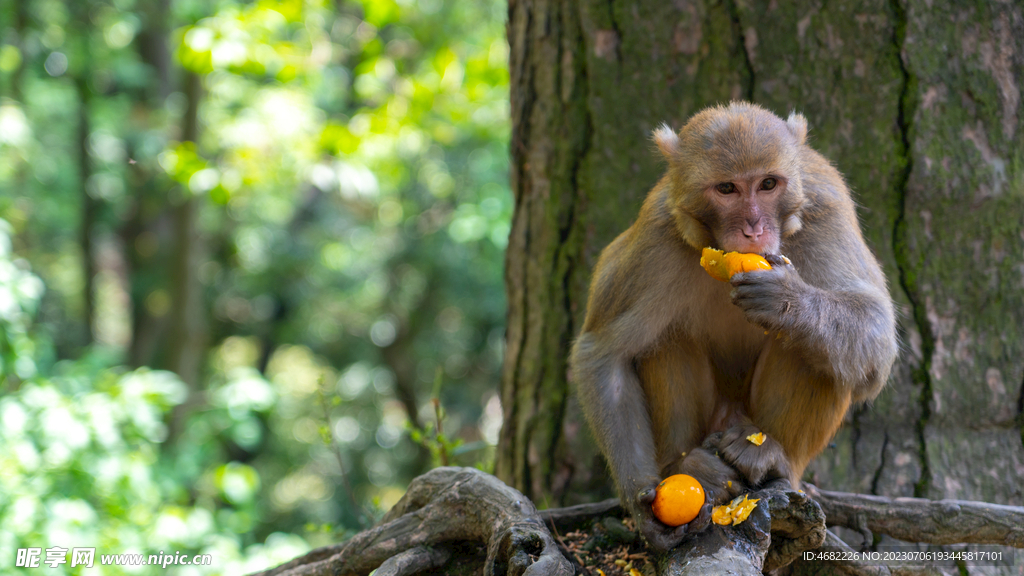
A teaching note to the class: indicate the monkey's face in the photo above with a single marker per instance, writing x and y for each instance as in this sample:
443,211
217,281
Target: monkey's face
736,177
744,212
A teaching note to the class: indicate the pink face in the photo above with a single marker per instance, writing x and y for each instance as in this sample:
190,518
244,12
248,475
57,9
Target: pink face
747,209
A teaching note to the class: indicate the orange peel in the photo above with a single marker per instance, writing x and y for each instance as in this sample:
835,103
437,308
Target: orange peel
734,512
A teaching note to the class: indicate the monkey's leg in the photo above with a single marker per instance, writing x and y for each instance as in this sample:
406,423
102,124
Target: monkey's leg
679,389
681,397
796,406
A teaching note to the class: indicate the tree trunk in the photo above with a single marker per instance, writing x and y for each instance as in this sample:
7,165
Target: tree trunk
186,343
140,233
917,103
89,206
547,143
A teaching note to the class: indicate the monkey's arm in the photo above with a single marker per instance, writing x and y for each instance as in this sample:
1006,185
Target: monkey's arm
835,310
615,405
630,306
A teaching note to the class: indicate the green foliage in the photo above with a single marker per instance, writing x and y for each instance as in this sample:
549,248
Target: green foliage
80,449
20,291
352,208
431,436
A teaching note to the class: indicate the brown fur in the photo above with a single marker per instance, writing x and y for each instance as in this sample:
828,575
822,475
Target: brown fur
673,366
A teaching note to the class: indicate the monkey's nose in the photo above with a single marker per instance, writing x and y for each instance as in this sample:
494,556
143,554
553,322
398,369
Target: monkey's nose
753,231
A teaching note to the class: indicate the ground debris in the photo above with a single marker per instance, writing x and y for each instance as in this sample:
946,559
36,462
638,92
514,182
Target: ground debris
610,547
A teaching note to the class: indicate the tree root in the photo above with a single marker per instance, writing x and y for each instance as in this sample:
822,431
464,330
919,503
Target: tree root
449,509
446,506
925,521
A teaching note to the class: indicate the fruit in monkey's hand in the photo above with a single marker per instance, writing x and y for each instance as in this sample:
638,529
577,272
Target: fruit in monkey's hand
678,500
722,266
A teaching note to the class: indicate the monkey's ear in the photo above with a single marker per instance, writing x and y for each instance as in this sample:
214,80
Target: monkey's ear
798,126
667,141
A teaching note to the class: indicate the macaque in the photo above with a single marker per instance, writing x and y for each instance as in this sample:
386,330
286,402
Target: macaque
675,369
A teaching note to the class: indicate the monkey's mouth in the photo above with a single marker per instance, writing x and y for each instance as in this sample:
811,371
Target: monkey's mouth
749,248
766,244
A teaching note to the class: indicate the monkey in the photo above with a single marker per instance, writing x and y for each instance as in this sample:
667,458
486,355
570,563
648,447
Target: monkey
674,369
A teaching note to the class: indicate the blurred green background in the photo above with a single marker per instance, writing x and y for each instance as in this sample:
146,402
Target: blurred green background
243,247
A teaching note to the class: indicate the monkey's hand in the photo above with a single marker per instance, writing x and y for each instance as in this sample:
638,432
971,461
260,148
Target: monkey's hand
721,483
659,536
758,464
769,297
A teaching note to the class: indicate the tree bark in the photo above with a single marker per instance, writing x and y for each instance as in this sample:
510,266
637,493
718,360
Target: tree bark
549,138
917,103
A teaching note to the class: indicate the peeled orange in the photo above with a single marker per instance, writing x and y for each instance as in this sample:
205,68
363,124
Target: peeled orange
722,266
678,499
734,512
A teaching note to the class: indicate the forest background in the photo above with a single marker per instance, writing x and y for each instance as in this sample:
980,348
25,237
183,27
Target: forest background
251,252
243,246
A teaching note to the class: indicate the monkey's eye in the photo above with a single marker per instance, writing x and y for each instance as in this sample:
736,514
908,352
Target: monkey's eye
726,188
768,183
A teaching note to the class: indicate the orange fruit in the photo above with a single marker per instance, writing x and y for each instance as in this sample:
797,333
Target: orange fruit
678,499
722,266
